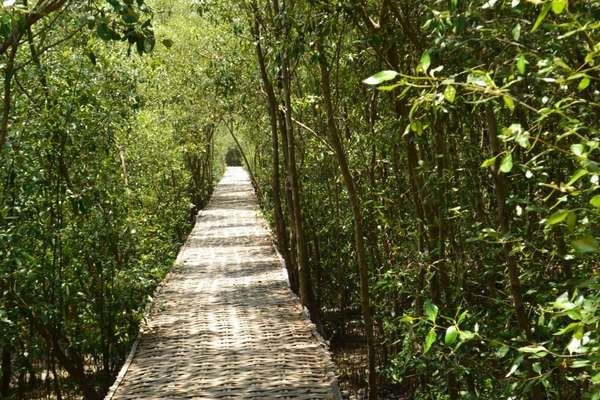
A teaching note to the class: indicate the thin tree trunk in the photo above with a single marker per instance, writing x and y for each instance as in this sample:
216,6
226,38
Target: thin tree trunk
504,225
304,276
280,229
7,101
359,241
6,371
293,248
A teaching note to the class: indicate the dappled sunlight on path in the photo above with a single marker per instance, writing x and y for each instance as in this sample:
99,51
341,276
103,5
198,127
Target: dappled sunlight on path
225,324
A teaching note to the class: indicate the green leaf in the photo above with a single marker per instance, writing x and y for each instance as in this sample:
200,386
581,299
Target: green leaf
450,94
521,64
562,302
431,311
580,363
489,4
541,16
516,32
389,88
595,201
502,351
480,78
515,366
580,173
466,335
578,149
380,77
586,244
558,6
425,62
571,327
507,163
429,340
509,103
489,162
583,83
596,379
533,349
451,335
557,217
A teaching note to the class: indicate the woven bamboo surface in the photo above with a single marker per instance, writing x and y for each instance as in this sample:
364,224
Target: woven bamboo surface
224,324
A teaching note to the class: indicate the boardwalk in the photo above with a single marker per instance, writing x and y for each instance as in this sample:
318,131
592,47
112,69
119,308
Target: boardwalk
224,324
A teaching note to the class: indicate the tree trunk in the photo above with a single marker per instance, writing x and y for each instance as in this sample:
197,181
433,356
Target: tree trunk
6,371
280,229
304,276
504,224
359,241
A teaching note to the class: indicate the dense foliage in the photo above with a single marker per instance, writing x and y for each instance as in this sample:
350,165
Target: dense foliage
104,160
461,182
430,168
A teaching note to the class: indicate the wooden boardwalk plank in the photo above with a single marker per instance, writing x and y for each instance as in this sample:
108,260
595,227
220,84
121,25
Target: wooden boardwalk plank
224,324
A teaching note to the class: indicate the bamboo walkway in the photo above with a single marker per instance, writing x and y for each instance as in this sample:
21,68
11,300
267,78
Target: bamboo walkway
224,324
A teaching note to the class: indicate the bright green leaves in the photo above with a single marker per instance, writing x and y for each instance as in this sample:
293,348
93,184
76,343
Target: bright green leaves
429,340
489,4
450,93
417,127
425,61
557,217
515,366
509,103
481,79
578,149
513,133
542,15
558,6
583,83
580,173
431,311
595,201
521,64
506,164
451,335
534,349
516,32
489,162
381,77
516,133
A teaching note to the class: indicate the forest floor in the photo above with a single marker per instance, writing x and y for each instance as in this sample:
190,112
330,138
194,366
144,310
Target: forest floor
224,323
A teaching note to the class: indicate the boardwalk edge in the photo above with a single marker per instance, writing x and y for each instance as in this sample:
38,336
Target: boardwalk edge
146,315
334,385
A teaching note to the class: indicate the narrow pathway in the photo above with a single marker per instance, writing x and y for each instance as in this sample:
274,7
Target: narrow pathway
225,324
